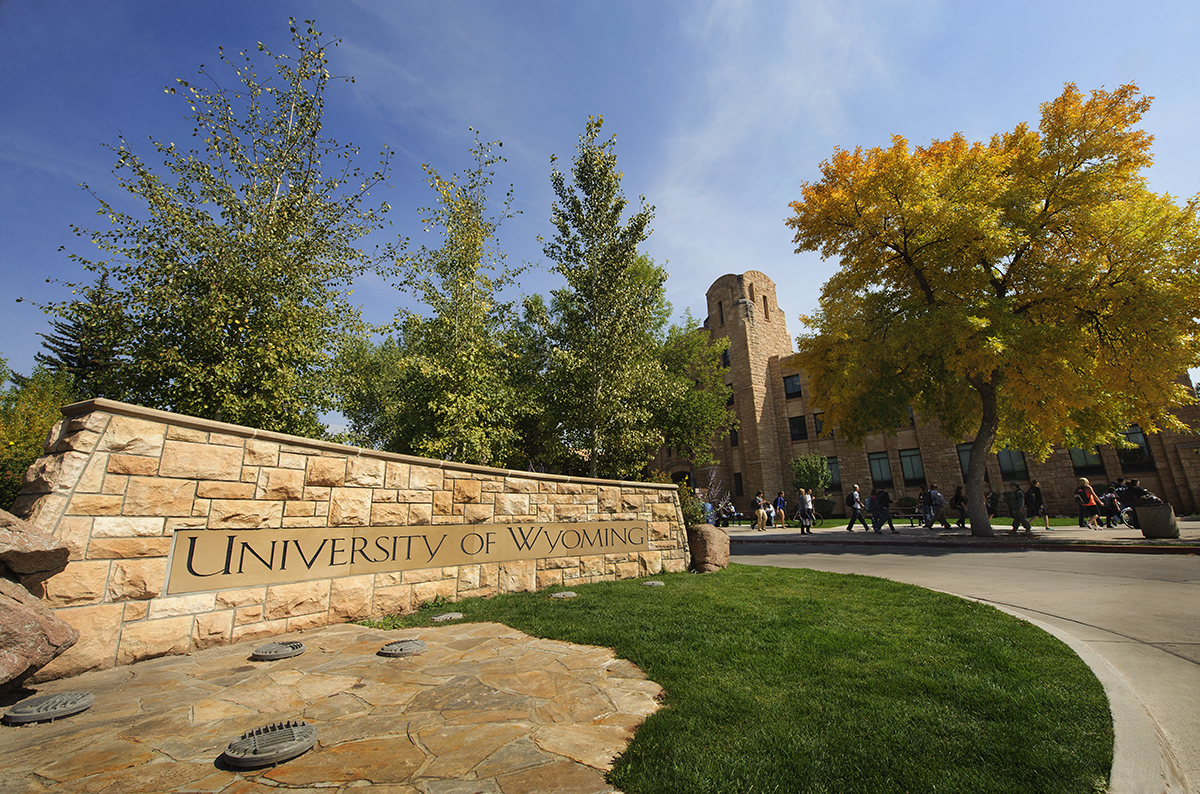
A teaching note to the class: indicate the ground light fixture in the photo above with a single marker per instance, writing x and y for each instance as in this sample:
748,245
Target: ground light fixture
270,744
277,650
47,708
404,648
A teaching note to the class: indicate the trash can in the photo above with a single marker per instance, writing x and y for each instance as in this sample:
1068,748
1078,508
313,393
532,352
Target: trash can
1157,521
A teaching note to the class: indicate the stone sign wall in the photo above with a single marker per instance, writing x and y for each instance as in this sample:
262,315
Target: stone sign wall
133,492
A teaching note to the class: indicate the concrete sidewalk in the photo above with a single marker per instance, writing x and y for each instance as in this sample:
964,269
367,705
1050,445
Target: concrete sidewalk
1119,539
486,709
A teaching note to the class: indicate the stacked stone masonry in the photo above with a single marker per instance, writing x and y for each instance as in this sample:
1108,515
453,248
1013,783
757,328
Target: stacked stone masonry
119,480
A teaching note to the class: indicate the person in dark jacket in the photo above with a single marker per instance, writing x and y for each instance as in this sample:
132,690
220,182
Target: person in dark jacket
1035,505
882,514
1016,505
959,503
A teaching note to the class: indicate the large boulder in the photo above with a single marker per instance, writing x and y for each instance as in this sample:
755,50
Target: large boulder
30,635
710,548
27,554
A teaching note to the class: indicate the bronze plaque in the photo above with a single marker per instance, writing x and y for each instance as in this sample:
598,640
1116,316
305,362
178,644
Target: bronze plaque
217,559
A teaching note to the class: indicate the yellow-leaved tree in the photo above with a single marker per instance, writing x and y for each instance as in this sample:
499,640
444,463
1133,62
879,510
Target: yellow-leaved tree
1030,289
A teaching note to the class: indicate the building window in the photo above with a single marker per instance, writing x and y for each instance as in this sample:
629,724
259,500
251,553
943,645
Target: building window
1012,465
751,297
1086,461
791,386
729,401
819,424
724,358
798,428
911,467
1136,458
835,473
733,437
766,310
721,312
737,484
964,459
881,469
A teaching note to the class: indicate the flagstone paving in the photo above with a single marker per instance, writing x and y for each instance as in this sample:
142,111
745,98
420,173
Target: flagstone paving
486,710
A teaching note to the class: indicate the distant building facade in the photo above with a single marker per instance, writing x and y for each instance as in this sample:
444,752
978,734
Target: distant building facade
777,422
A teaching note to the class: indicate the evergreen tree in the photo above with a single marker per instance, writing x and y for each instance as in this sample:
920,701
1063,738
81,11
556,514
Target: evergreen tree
85,342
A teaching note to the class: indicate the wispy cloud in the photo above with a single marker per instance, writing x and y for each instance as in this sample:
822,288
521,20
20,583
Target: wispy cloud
772,92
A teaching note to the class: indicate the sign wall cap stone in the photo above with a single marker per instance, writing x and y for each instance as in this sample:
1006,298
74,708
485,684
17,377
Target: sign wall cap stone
196,423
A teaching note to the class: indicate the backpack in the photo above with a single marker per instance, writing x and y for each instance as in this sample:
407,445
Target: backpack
850,500
871,503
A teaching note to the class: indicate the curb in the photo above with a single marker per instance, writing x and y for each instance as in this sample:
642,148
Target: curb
1143,762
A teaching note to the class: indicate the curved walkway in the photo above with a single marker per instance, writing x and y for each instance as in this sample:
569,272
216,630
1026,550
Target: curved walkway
1131,616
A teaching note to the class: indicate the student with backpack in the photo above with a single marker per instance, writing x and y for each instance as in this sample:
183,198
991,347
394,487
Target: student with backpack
854,504
938,503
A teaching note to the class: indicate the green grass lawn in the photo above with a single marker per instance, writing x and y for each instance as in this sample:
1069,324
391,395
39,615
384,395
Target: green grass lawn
784,680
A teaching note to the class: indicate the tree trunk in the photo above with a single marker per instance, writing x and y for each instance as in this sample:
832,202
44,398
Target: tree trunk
989,424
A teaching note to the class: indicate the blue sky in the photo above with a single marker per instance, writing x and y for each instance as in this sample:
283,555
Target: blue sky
721,109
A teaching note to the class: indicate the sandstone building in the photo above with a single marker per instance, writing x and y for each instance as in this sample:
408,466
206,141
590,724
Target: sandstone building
777,423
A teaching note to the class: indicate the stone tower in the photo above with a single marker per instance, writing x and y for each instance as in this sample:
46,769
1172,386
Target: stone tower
743,308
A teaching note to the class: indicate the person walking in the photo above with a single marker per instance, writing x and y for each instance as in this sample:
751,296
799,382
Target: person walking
760,511
1035,505
1016,504
959,503
938,503
882,514
781,510
1089,503
806,512
924,507
854,503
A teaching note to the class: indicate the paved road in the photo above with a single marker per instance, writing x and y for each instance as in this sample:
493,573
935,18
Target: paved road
1139,613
